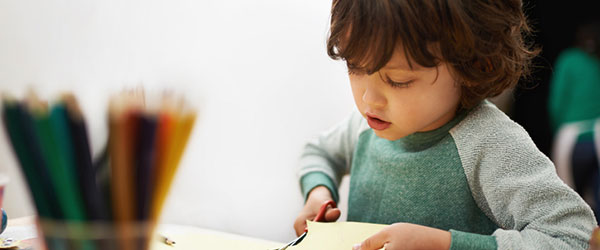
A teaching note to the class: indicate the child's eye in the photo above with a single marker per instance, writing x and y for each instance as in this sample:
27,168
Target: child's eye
395,84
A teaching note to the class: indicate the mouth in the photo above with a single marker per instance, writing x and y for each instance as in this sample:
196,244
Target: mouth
376,122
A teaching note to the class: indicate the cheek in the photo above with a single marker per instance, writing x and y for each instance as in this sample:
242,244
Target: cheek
452,88
445,92
451,93
430,101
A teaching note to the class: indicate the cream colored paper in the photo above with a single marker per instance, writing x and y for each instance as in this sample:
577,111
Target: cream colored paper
193,241
336,236
321,236
193,238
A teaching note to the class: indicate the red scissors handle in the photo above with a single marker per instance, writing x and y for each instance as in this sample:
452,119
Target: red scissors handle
321,215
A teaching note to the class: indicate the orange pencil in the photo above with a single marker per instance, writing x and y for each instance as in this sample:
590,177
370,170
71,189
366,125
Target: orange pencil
174,134
124,115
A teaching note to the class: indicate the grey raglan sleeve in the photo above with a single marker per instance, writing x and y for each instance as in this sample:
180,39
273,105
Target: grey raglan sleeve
327,158
517,187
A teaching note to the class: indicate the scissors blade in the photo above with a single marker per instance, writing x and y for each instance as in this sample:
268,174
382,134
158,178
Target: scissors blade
293,242
320,217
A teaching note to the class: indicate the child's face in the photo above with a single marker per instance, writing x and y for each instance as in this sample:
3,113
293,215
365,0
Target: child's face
398,101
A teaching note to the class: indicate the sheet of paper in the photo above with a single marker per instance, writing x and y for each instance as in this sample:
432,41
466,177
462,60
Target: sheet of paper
195,238
336,236
215,242
321,236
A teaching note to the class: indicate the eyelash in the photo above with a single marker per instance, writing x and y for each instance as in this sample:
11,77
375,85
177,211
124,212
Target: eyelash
352,70
399,84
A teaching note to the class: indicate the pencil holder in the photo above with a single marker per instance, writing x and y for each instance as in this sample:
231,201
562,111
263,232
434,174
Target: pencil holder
110,202
69,235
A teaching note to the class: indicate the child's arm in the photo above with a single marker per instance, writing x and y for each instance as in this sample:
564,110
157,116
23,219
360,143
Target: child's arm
327,159
324,162
516,186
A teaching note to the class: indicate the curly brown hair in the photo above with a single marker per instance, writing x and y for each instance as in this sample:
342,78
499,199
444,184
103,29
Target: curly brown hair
483,41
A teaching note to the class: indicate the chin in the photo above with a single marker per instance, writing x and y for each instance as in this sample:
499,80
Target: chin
388,135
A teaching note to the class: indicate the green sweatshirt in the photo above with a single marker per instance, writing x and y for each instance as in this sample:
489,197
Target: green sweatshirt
479,176
575,88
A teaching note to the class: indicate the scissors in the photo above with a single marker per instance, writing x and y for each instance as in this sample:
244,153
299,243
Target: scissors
320,217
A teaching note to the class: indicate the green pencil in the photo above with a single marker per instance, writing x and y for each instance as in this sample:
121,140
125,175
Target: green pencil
12,114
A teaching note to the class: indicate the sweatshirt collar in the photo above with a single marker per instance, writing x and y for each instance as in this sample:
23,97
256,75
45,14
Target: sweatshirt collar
419,141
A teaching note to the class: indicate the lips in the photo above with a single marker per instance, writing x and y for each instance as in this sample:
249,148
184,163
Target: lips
377,123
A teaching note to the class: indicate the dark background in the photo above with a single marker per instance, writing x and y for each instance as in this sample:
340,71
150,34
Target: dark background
555,23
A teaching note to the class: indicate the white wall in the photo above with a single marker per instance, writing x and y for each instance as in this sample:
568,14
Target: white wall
257,70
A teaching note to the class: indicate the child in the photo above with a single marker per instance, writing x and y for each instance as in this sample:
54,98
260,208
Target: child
426,151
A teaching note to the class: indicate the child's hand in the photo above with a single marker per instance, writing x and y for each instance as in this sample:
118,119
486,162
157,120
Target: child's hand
316,198
407,236
595,239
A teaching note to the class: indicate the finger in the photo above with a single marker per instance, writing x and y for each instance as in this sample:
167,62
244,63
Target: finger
332,214
299,226
376,241
595,239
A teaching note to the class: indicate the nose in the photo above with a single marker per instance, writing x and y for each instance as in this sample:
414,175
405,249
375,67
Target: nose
373,95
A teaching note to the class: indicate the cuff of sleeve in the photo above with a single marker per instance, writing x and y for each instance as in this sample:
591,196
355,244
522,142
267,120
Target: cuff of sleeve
464,240
315,179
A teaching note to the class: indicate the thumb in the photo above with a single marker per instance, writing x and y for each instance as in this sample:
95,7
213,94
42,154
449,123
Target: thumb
376,241
332,214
